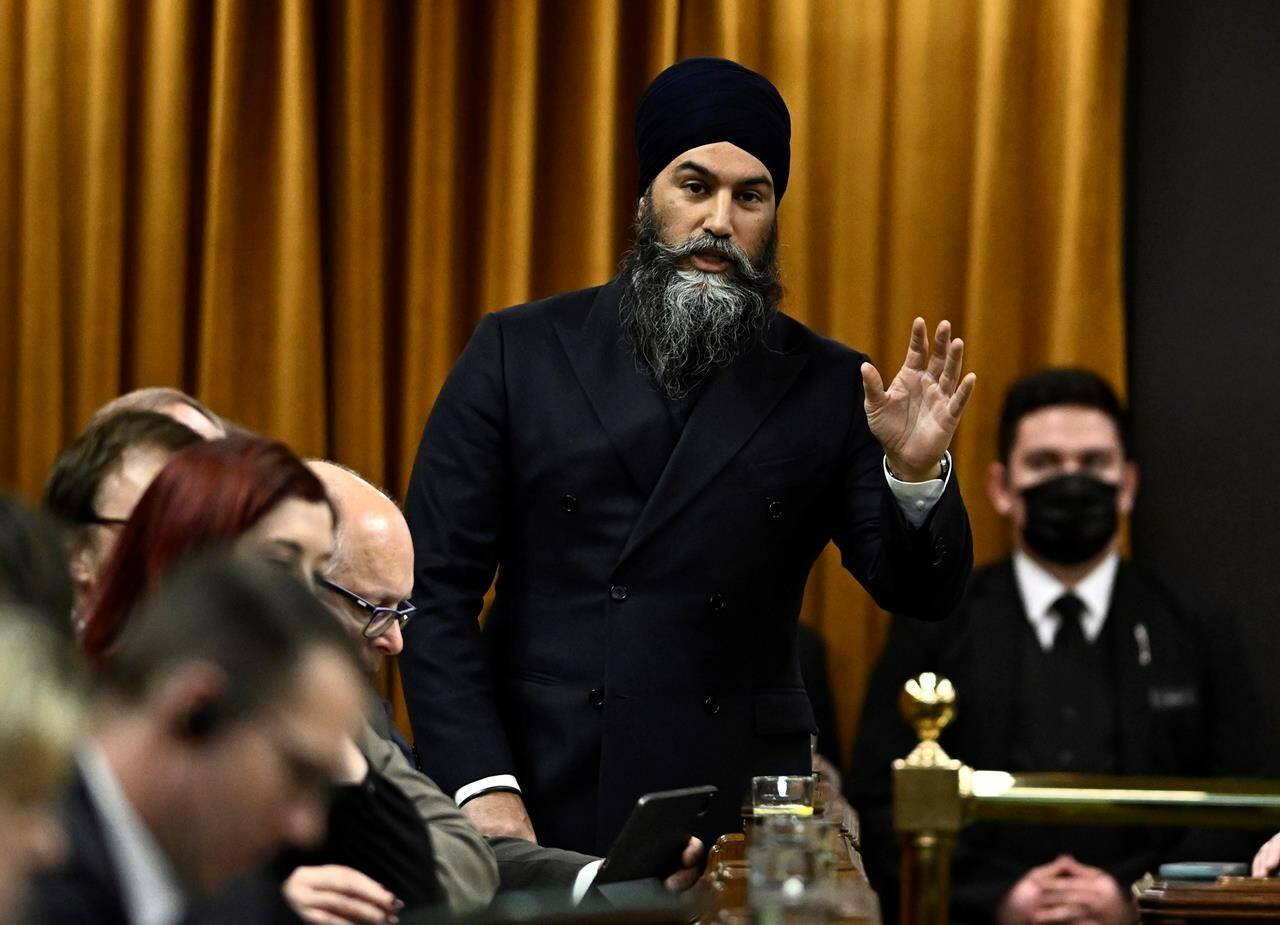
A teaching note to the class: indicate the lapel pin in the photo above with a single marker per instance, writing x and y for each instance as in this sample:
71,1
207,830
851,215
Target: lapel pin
1144,644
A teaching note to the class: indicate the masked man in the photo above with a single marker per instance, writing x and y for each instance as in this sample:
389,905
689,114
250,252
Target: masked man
1065,658
652,467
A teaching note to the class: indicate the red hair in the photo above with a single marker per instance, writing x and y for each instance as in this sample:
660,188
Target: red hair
207,496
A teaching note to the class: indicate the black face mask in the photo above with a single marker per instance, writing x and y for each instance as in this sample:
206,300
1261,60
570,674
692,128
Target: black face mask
1070,518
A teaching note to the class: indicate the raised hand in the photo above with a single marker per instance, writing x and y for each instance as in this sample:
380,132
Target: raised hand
916,417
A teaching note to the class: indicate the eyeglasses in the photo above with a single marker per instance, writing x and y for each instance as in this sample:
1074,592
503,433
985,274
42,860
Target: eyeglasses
380,618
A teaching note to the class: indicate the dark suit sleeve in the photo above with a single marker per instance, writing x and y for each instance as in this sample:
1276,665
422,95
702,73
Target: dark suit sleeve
813,670
523,865
454,508
1231,704
374,828
916,572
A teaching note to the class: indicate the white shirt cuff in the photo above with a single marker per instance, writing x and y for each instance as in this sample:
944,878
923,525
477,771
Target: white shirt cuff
916,499
484,785
585,878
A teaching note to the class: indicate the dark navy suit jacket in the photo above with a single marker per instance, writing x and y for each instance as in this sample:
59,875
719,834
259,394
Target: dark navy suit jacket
643,633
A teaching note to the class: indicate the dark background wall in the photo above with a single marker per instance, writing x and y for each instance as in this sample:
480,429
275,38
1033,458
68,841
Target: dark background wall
1203,290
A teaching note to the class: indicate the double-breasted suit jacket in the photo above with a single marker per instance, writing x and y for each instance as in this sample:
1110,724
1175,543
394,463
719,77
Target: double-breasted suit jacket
642,635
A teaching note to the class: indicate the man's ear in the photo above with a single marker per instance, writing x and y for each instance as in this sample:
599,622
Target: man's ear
998,488
1128,488
78,562
191,702
82,565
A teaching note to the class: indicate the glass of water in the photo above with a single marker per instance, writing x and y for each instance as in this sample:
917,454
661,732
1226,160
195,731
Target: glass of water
782,795
792,867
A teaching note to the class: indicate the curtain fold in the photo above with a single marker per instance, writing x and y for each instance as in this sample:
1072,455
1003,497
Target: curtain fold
299,209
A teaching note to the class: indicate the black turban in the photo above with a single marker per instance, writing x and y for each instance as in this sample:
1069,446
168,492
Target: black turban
699,101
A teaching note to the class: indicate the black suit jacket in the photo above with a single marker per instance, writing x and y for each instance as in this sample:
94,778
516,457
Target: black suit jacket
643,633
1181,712
85,888
812,652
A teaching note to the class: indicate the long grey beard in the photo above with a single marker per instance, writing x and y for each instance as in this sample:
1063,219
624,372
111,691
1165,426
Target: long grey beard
683,323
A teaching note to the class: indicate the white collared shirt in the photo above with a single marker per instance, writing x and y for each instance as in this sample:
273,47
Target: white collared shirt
1039,590
150,890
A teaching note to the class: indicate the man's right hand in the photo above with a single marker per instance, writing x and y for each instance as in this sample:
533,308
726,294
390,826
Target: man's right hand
500,813
336,895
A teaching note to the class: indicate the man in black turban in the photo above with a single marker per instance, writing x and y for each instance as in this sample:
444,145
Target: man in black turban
652,467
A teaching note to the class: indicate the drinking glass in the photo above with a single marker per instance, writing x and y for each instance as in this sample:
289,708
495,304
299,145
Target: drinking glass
782,795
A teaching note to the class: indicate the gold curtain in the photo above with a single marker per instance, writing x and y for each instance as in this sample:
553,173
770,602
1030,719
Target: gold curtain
298,210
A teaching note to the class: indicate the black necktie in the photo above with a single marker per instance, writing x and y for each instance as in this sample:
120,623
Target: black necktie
1069,642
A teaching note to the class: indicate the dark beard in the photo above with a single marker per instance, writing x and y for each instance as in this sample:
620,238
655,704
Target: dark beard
684,324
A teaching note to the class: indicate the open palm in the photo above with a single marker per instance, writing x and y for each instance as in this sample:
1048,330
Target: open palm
916,417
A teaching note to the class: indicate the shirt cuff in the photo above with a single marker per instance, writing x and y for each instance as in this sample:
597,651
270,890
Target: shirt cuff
916,499
484,785
585,878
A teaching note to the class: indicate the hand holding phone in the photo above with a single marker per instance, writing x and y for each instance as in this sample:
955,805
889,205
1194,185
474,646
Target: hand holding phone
655,835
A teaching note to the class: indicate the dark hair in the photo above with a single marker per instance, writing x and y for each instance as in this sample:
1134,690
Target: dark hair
33,566
1052,387
206,497
71,494
253,621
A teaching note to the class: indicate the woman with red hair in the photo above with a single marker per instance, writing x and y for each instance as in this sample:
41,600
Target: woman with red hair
242,492
255,496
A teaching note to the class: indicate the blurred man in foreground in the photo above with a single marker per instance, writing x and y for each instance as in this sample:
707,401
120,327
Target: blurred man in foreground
1064,658
41,712
219,730
33,565
369,581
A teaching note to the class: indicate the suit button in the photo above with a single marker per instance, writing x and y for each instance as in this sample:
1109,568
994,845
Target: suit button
711,706
569,504
939,551
774,508
716,602
596,698
618,592
1066,757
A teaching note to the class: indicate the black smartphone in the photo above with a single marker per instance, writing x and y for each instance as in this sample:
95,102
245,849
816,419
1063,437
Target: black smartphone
655,835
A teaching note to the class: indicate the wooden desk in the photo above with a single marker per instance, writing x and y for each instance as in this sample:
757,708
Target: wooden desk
1230,899
723,888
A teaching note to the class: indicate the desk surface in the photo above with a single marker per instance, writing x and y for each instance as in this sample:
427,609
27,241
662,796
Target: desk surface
1229,899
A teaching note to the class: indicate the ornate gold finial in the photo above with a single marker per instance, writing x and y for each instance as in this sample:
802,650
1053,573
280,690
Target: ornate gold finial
928,703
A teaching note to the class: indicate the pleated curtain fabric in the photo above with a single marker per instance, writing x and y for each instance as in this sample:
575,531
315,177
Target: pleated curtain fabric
299,210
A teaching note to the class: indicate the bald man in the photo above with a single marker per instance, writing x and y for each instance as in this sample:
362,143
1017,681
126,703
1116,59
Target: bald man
368,581
183,408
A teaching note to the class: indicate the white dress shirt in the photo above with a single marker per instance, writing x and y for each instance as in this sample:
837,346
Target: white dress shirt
1039,589
915,500
149,888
